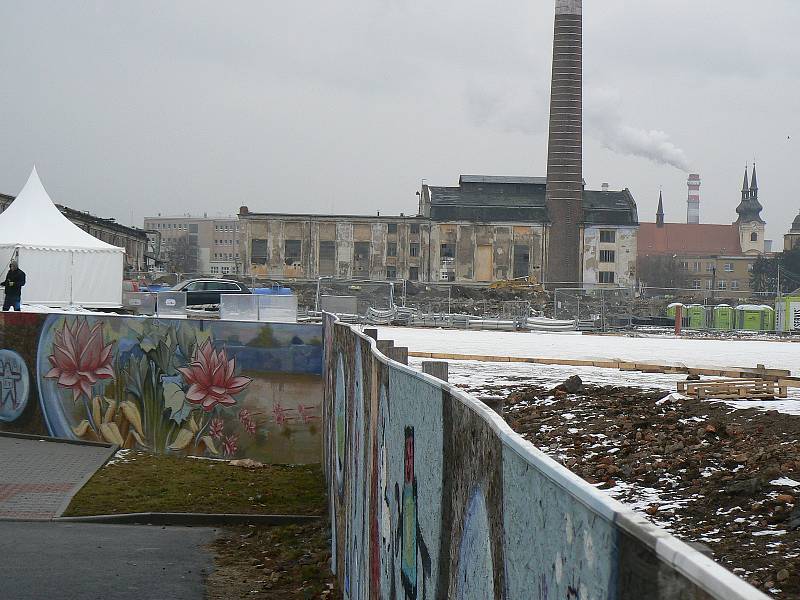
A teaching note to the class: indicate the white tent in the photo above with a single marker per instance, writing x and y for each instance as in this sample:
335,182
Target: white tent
64,265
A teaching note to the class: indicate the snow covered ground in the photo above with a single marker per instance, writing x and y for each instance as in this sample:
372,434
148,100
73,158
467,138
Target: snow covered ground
653,349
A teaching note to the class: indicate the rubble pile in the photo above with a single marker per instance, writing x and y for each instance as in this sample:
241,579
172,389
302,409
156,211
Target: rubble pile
727,480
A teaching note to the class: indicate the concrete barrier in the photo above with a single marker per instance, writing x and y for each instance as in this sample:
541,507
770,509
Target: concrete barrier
434,496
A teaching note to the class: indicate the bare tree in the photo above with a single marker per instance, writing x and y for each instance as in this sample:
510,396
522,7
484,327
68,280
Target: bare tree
661,271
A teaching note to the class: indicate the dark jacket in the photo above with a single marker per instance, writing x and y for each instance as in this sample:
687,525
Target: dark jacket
14,282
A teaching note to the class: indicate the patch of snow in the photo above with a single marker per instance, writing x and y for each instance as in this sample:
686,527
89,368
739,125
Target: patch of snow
785,481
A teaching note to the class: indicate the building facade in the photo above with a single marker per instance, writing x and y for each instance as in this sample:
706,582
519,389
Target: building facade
197,244
486,229
108,230
702,256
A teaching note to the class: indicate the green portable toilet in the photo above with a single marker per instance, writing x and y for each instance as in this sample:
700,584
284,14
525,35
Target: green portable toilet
787,313
672,309
723,317
696,314
754,317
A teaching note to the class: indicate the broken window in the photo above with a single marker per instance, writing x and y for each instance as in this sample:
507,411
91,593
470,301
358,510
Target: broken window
607,256
608,237
292,251
522,261
327,258
606,277
258,251
448,251
361,256
413,273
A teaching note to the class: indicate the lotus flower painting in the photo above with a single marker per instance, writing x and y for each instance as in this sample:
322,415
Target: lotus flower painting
190,387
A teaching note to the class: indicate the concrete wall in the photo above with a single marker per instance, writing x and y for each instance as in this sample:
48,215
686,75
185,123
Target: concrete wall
169,386
433,496
625,252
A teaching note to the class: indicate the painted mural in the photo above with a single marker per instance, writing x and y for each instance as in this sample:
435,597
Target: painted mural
430,501
168,386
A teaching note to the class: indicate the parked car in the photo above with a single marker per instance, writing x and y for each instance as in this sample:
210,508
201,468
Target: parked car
208,291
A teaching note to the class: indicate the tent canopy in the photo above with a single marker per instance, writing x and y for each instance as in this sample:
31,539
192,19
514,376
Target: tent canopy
64,264
34,221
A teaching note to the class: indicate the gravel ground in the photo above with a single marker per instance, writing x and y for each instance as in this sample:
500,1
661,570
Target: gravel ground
723,476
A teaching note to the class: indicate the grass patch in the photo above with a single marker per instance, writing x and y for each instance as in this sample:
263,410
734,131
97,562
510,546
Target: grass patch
141,482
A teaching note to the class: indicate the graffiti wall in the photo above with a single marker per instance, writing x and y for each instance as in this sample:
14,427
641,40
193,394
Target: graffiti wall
434,497
178,386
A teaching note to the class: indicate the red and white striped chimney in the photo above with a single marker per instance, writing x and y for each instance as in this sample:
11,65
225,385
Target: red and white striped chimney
693,203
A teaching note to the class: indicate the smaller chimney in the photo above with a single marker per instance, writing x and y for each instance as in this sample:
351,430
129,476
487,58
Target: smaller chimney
605,187
243,210
693,202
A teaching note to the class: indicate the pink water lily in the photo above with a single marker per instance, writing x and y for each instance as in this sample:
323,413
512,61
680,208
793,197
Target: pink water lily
80,357
216,428
211,378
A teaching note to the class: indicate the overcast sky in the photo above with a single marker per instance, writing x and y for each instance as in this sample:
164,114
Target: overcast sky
133,108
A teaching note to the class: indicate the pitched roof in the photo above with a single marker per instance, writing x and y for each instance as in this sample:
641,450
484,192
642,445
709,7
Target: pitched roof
688,239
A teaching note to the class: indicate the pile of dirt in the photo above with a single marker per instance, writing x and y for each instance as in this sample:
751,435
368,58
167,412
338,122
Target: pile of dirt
728,479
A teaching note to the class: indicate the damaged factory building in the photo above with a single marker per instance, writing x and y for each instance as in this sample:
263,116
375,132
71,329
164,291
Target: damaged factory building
486,229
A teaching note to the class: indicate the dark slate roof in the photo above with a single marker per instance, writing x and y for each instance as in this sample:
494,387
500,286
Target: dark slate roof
522,199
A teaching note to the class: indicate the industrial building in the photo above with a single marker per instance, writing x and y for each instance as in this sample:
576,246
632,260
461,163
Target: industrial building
485,229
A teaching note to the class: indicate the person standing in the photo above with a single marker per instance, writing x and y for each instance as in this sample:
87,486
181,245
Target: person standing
13,285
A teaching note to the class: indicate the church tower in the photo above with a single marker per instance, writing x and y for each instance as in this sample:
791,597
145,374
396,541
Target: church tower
751,225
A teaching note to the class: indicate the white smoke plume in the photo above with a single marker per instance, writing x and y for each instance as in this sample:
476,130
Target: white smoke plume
604,121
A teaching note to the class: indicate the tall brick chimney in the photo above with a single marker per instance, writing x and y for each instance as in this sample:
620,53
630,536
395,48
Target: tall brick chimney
565,152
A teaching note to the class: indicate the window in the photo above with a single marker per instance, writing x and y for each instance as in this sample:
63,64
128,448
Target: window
413,273
215,270
392,227
696,266
608,237
413,250
735,284
684,265
391,273
606,256
226,270
258,251
291,251
415,229
709,284
448,251
605,277
391,249
710,267
729,267
722,284
193,228
754,237
696,284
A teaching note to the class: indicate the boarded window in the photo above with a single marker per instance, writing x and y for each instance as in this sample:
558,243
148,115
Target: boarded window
522,261
391,273
258,251
608,237
607,256
415,229
413,273
606,277
327,258
292,251
448,251
391,249
413,250
392,227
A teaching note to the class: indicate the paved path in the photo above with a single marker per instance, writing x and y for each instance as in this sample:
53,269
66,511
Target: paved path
103,562
38,478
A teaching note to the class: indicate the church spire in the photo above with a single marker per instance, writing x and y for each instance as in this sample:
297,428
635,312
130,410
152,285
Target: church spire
745,186
754,184
660,212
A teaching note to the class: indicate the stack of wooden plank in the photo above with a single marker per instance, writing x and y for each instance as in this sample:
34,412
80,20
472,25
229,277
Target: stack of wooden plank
733,389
